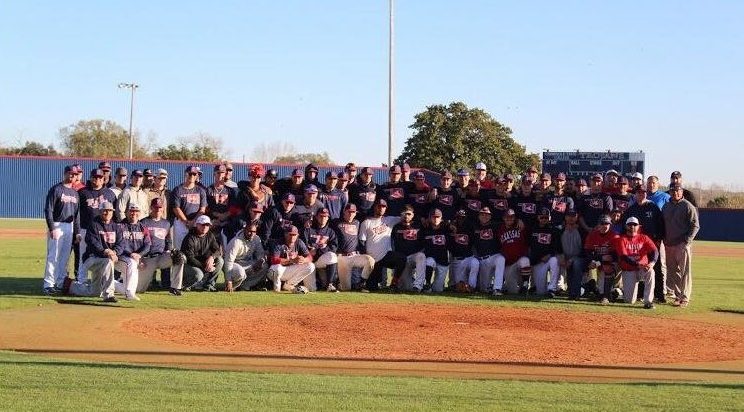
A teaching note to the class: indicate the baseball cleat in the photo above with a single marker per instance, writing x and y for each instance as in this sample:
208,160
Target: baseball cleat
649,305
175,292
301,290
110,299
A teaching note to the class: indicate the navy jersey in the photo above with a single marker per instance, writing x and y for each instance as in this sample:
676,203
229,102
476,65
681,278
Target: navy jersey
406,239
592,206
90,202
219,200
274,222
135,238
558,205
363,196
160,235
62,206
303,214
102,236
497,202
396,196
335,200
347,234
280,250
650,218
544,241
419,200
620,201
472,205
190,201
435,243
460,242
320,240
526,208
485,241
447,200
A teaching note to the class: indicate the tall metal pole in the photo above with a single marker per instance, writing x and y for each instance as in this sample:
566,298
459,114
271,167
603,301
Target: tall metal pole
391,117
133,87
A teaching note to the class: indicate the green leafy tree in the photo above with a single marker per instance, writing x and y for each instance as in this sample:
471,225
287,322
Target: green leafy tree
455,136
304,158
200,146
30,148
99,138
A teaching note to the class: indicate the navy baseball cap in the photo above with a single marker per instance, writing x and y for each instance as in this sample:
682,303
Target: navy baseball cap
331,175
105,205
395,170
291,230
323,212
311,189
343,176
138,173
406,167
192,169
157,203
289,197
367,171
221,168
446,174
380,202
96,173
297,173
605,219
350,207
311,168
271,172
104,166
418,176
561,177
463,172
435,213
147,172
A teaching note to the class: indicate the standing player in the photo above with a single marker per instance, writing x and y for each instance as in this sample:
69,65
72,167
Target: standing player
134,193
524,203
276,220
637,255
447,198
306,211
332,197
159,190
61,211
558,201
593,205
229,182
120,181
188,202
676,179
480,175
621,198
393,192
573,258
219,199
472,202
363,193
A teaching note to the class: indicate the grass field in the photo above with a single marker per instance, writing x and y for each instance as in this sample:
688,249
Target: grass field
39,383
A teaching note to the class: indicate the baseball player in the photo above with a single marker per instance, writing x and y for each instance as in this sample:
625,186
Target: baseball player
637,254
652,225
135,244
420,196
654,192
343,184
514,241
134,193
159,190
61,211
161,254
294,184
573,257
463,180
408,244
311,176
393,192
254,191
611,182
119,181
363,193
481,173
188,201
305,211
219,199
593,205
277,219
91,197
525,203
487,250
290,262
471,201
558,201
322,243
375,239
203,256
106,167
77,178
245,260
349,258
545,247
676,179
332,197
229,182
464,266
446,197
601,254
498,199
434,237
104,246
621,197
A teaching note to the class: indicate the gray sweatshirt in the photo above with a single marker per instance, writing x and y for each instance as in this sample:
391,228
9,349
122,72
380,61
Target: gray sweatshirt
680,222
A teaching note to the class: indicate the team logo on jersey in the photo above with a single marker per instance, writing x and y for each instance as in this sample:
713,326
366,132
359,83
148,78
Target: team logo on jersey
529,208
596,203
462,239
133,235
192,198
330,198
68,199
108,237
351,230
621,204
648,215
220,198
410,234
544,238
485,234
474,205
438,240
559,206
319,241
158,232
93,202
382,229
286,223
446,200
499,204
368,196
395,193
420,198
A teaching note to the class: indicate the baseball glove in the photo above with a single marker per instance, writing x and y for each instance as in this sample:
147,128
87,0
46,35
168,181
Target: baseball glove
177,257
462,287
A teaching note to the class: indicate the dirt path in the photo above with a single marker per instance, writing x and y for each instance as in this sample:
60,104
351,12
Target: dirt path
114,334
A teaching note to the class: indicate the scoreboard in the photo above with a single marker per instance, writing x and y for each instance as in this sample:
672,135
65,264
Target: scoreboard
584,164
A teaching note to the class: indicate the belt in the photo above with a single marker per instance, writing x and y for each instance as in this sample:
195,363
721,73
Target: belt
349,254
484,257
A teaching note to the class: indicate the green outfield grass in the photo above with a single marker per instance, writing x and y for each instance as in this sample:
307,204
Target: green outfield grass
32,383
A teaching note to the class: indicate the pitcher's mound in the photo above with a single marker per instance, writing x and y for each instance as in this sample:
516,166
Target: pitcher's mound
445,332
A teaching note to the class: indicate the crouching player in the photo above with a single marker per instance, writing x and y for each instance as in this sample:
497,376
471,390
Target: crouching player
103,240
245,260
638,255
135,244
516,271
600,250
464,266
290,262
545,246
434,235
322,243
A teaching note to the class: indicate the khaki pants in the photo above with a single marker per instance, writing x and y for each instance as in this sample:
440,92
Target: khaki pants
679,270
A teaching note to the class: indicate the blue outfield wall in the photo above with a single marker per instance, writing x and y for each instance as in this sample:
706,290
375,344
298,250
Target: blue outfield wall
27,179
721,224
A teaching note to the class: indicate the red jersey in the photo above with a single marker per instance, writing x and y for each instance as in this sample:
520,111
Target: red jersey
514,243
600,244
636,248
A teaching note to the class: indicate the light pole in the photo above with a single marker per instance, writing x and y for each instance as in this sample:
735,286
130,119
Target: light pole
391,117
133,87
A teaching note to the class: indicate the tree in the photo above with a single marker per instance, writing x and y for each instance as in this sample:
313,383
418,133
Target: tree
30,148
99,138
319,159
266,152
200,146
454,136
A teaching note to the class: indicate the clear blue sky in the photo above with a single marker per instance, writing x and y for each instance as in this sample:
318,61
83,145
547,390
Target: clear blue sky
666,77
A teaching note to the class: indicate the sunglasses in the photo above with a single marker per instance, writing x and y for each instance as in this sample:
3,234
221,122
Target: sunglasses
632,224
229,170
193,174
407,214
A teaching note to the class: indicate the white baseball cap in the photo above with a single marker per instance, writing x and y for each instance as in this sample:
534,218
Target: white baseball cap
636,175
203,220
632,219
480,166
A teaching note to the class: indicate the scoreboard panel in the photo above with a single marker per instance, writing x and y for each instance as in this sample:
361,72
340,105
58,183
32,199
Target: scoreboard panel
584,164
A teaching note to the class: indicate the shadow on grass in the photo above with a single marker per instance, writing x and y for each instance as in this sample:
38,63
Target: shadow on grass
30,286
726,310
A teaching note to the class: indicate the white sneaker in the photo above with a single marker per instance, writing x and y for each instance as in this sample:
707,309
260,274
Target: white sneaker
301,290
132,297
331,288
274,276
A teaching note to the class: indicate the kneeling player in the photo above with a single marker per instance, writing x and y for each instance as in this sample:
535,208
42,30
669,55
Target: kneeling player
638,255
545,246
513,240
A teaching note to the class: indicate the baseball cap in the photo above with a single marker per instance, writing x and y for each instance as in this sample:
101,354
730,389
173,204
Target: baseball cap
147,172
291,230
395,170
605,219
632,220
418,175
639,188
435,213
203,220
500,180
323,212
288,197
480,166
350,166
133,206
406,167
561,176
485,210
162,172
380,202
581,182
330,175
271,172
546,176
616,210
104,166
675,186
597,176
367,171
343,176
220,169
636,175
96,173
350,207
191,169
311,189
121,171
105,205
612,172
137,172
157,202
311,168
463,172
447,174
473,183
510,212
623,181
297,173
676,174
70,169
78,168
